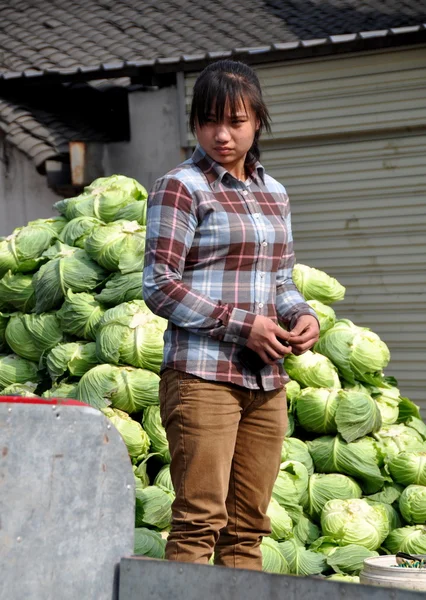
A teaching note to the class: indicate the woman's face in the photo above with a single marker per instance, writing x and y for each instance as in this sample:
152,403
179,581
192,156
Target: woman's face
229,141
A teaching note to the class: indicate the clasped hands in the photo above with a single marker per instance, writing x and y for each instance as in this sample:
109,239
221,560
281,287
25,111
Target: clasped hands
271,342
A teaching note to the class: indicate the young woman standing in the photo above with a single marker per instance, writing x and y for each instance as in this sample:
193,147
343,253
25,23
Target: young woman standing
218,266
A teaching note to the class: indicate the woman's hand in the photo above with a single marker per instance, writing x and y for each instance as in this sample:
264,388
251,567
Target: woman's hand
304,334
268,339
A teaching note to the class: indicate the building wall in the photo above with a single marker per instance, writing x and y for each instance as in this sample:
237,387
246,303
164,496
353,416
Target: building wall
24,195
154,147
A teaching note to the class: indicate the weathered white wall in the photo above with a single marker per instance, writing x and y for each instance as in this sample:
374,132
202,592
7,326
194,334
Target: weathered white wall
154,147
24,195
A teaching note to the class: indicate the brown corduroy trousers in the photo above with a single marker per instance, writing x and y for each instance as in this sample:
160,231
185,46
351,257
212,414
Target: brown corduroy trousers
225,443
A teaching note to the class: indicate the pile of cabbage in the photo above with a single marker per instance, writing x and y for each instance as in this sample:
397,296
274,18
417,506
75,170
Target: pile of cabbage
73,324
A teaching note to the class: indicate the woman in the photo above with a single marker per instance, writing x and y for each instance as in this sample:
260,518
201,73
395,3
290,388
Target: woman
218,264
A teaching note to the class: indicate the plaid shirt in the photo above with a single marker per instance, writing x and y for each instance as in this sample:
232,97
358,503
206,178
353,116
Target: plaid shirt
219,251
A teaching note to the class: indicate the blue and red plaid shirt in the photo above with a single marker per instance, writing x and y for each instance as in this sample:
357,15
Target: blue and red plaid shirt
219,251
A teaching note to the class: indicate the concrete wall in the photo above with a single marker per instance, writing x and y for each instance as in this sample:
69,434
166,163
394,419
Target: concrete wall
154,147
24,195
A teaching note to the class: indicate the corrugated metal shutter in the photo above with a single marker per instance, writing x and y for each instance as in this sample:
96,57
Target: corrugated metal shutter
349,144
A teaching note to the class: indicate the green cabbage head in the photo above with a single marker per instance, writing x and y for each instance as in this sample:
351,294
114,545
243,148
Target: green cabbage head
118,246
149,543
103,198
324,487
163,478
31,336
153,507
409,468
317,285
326,315
281,523
64,389
291,484
20,389
273,560
78,230
121,288
80,315
135,438
349,559
411,539
397,438
295,449
358,353
68,268
312,370
74,358
412,504
126,388
17,291
355,522
300,560
22,250
130,333
157,434
14,369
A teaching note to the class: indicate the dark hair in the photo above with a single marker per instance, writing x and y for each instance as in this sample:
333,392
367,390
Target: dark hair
234,82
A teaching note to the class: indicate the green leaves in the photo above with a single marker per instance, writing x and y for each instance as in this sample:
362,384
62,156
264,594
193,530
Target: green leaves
317,285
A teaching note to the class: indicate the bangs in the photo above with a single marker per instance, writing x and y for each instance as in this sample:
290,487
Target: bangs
214,95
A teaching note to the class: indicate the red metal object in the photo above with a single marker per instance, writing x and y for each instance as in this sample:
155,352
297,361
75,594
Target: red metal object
54,401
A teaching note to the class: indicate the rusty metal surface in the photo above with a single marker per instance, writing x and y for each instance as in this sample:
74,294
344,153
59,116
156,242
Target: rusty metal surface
66,503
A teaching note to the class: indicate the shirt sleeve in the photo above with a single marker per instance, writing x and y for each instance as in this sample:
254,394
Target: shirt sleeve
290,304
171,227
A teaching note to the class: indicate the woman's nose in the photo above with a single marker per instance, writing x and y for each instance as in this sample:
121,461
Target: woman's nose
221,133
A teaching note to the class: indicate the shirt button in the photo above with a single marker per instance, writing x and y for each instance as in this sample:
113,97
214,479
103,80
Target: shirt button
261,274
264,243
245,192
235,339
260,305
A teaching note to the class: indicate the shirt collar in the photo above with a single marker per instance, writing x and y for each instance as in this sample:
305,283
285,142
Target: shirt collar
215,172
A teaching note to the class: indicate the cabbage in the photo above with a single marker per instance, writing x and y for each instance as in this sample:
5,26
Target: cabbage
130,333
281,523
64,389
292,390
407,409
80,315
78,230
149,543
357,415
125,388
325,314
349,559
295,449
75,357
118,246
291,483
388,495
324,544
343,578
153,507
409,468
68,269
412,504
135,438
358,353
411,539
358,459
16,290
273,560
316,409
14,369
163,478
20,389
136,211
418,425
300,560
325,487
22,250
103,198
397,438
312,370
388,403
355,522
30,336
140,474
305,532
121,288
317,285
157,434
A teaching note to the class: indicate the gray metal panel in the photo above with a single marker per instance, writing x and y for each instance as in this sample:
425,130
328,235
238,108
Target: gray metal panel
359,213
142,579
66,503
